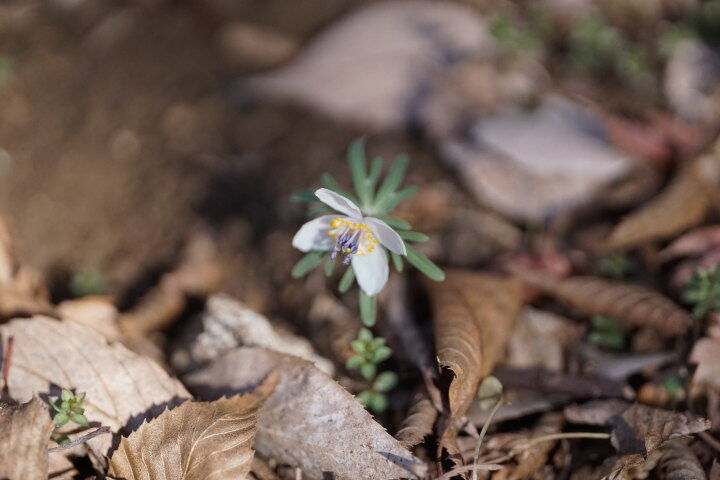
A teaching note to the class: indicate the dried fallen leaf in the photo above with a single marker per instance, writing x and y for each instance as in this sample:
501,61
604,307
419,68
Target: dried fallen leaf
695,242
540,339
24,434
532,458
197,440
532,165
227,324
706,353
682,205
372,66
631,304
310,421
678,462
636,428
419,422
122,387
94,312
474,316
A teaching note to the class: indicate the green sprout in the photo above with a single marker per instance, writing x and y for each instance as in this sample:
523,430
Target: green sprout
87,281
369,352
617,265
69,408
606,333
703,291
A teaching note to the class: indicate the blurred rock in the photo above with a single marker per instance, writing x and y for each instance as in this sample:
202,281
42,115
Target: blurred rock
375,66
533,165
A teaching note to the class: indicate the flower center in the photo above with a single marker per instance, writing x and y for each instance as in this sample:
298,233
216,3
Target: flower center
351,238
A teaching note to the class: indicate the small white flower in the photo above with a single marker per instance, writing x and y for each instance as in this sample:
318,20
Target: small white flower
357,237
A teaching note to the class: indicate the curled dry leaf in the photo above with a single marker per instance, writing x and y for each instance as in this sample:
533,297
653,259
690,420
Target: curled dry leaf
474,315
309,421
195,441
681,205
696,242
678,462
631,304
706,354
122,387
532,457
226,324
636,428
24,434
419,422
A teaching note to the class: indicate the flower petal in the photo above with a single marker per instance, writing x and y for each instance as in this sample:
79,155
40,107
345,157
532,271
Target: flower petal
371,270
338,202
387,236
314,234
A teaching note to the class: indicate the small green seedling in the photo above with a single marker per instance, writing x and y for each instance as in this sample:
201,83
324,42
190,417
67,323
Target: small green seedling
369,352
606,333
69,408
703,291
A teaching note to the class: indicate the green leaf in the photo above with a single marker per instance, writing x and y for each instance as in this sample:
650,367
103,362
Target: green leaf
368,309
79,418
359,346
365,335
328,181
381,354
376,343
356,158
385,382
413,236
67,395
378,403
395,222
60,419
60,438
390,201
80,397
329,266
306,263
368,371
354,362
424,264
303,196
375,172
364,397
397,261
393,179
347,280
54,403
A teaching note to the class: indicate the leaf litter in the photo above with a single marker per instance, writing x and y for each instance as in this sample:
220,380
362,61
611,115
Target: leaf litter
567,161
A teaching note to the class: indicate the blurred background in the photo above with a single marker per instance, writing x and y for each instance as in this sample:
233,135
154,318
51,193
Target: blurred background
128,128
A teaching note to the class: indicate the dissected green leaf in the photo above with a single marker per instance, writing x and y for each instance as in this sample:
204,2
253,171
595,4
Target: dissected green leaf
397,261
368,309
414,236
424,264
306,264
395,222
347,280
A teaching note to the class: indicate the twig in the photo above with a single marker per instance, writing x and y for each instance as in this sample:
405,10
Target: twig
482,435
6,364
710,440
467,468
80,440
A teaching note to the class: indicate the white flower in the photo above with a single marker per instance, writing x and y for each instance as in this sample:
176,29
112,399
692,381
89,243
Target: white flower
357,237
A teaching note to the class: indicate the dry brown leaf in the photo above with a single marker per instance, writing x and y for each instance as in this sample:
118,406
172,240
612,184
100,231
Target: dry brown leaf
678,462
531,459
695,242
94,312
540,339
195,441
310,421
200,272
24,434
122,387
227,324
250,45
681,205
419,421
474,316
636,428
632,304
60,468
706,353
715,470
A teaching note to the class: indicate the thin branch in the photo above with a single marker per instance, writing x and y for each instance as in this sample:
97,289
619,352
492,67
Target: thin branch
80,440
482,435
